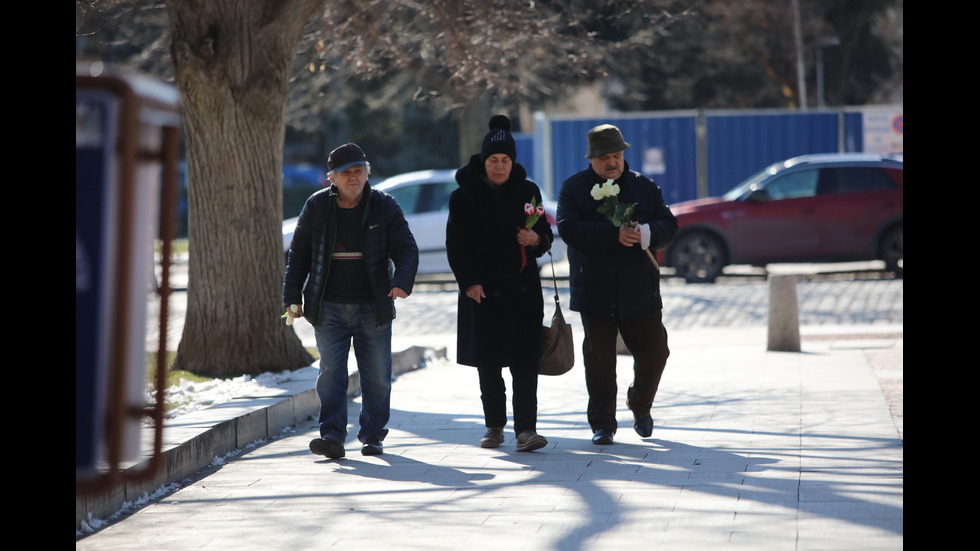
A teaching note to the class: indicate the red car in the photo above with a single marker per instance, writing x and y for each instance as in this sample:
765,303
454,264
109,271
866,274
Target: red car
813,208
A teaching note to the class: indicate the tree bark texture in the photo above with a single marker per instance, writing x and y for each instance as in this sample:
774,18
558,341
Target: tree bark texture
474,123
231,61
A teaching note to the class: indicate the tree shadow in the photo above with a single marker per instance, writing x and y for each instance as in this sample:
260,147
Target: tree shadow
744,473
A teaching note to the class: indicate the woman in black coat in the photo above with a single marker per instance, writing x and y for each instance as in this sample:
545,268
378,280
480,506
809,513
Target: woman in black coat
494,259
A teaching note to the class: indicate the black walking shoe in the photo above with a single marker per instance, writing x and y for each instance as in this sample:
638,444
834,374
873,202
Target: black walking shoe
643,424
372,446
327,447
603,437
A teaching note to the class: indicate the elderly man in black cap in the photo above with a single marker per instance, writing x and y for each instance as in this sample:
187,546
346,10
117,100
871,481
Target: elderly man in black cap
614,278
338,278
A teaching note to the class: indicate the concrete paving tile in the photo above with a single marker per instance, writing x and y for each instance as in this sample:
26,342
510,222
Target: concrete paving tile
818,532
766,455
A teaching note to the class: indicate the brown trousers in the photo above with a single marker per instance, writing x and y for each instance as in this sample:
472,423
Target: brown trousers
646,339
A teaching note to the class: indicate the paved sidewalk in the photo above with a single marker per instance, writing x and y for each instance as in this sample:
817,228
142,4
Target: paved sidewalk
752,450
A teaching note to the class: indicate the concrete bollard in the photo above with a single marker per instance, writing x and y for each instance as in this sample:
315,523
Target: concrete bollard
784,318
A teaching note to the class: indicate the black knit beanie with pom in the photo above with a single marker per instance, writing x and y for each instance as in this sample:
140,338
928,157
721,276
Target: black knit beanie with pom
499,140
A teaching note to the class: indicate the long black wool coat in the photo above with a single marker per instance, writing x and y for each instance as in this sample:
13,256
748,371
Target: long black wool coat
481,242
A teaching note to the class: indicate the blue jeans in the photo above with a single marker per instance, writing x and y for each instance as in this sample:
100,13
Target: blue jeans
342,323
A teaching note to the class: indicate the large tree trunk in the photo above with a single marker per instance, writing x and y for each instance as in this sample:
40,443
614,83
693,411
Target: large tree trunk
474,123
231,60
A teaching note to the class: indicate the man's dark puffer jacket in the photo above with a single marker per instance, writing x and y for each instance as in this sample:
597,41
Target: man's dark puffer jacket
387,240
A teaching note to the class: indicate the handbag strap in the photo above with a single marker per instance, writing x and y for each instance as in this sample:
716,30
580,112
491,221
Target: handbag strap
554,280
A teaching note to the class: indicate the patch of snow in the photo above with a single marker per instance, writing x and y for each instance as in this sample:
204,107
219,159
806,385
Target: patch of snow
194,395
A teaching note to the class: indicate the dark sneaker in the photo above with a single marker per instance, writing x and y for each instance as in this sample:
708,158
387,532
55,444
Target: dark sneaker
643,424
328,447
529,440
603,437
372,446
493,438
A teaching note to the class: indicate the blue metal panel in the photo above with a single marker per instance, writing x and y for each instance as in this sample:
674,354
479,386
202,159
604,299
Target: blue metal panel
568,148
662,147
739,145
525,151
726,147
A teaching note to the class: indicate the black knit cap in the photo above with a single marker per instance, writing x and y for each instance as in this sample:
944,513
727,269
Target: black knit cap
345,157
499,140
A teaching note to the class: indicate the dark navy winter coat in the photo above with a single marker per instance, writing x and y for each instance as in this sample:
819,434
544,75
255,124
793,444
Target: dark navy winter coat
606,278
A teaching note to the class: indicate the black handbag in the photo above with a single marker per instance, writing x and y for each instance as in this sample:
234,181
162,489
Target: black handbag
557,349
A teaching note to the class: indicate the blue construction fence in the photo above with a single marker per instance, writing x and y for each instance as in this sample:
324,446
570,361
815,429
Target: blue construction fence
702,153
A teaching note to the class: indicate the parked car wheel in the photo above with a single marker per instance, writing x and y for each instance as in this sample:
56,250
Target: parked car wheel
698,257
892,250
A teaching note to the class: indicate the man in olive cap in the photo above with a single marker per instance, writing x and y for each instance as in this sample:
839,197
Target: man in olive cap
337,278
614,281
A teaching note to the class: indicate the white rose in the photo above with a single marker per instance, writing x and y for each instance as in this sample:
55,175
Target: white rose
598,192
